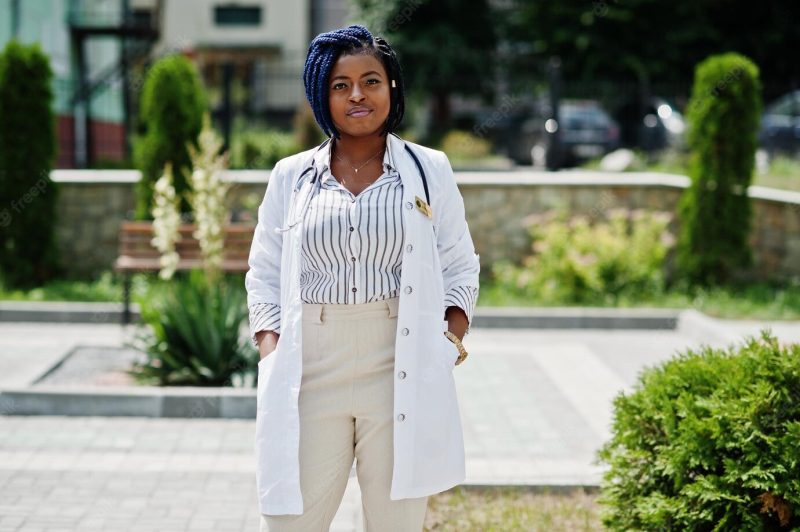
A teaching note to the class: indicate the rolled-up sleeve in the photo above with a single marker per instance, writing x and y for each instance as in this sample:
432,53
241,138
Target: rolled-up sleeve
263,278
463,297
264,317
460,264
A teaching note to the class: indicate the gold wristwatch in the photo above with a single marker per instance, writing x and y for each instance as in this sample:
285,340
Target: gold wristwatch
462,353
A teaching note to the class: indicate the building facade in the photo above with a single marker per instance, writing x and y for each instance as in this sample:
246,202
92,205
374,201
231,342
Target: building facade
250,54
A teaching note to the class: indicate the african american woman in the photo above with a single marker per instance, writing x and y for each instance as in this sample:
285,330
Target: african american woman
363,279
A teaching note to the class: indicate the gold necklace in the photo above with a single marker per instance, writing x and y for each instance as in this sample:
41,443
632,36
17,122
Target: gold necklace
363,165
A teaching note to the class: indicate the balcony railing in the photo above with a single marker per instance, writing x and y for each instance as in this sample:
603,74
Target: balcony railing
110,17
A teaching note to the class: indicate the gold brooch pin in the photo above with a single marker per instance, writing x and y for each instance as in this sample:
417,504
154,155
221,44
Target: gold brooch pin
423,207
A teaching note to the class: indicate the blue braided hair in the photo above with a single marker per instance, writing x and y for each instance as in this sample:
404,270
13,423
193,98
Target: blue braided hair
323,53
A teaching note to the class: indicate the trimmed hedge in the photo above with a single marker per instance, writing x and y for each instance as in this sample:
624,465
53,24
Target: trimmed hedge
28,252
709,440
172,106
723,115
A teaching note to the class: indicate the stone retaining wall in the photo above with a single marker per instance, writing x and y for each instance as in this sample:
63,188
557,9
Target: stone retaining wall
93,203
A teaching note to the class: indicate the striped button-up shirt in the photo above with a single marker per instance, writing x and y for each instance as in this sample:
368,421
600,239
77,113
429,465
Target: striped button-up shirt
352,248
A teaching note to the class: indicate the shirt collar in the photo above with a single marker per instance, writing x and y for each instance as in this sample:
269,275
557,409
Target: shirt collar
323,157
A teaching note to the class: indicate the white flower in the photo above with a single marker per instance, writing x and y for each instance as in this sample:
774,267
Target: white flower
166,223
208,196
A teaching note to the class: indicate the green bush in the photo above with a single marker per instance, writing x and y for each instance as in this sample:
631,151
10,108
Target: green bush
708,441
723,116
307,132
172,106
261,148
28,252
459,144
576,261
192,334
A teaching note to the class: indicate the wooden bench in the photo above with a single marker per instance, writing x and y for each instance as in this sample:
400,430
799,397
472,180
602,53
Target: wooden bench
137,254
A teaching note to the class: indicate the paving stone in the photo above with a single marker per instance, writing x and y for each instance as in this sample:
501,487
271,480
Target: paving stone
534,407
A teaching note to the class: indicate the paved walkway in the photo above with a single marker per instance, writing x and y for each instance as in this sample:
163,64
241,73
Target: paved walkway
535,407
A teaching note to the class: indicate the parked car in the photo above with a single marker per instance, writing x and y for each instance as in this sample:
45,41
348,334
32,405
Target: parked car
653,125
584,129
780,126
525,133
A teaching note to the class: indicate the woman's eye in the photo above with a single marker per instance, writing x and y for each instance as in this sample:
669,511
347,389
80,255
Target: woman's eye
373,79
337,85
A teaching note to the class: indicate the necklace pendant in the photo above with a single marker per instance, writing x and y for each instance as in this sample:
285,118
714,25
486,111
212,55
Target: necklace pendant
356,169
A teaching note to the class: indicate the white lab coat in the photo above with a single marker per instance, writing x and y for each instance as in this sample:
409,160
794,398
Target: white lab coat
438,254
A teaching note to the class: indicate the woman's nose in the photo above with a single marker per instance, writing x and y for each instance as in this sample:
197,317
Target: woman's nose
356,95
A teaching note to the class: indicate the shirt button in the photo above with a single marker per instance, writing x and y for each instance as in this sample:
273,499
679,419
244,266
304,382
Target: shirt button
408,289
353,259
352,229
409,205
354,289
404,332
401,374
401,417
409,248
353,200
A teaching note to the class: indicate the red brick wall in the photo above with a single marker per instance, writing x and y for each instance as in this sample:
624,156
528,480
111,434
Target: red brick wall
108,141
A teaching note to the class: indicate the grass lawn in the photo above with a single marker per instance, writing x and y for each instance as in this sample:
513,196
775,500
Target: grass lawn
780,172
509,508
757,302
107,287
752,302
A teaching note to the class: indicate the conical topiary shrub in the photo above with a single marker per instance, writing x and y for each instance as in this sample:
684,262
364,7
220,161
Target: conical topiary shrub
28,252
723,116
171,114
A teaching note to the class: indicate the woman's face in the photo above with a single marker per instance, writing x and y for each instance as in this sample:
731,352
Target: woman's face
358,95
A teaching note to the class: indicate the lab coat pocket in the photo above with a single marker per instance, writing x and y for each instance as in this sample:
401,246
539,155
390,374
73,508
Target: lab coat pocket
438,434
449,350
265,368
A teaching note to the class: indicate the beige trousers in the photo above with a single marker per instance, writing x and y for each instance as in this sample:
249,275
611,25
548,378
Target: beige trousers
345,407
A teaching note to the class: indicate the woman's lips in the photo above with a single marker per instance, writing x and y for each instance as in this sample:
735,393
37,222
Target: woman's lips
360,113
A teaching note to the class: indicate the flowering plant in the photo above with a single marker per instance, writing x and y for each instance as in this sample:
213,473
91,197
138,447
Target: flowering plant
166,221
208,196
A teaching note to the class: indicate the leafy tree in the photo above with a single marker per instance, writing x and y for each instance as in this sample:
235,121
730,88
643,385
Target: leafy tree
648,40
171,114
28,253
445,47
715,211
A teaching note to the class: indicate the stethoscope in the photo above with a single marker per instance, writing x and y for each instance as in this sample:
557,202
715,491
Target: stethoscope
309,197
317,182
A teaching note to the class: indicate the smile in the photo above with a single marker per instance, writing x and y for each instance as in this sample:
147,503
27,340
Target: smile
360,113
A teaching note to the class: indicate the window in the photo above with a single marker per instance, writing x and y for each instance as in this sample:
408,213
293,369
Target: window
237,15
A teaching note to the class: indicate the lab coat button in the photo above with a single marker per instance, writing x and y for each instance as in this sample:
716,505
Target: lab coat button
401,374
401,417
404,332
408,289
409,248
409,205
